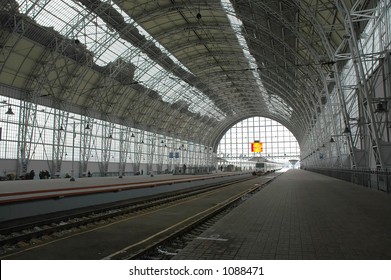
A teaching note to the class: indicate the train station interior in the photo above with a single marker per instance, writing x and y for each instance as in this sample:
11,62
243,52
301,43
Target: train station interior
99,95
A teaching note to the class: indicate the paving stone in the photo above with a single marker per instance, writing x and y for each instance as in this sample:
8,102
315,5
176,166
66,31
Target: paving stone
303,215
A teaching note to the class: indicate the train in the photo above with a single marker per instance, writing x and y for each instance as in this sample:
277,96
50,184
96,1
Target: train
265,167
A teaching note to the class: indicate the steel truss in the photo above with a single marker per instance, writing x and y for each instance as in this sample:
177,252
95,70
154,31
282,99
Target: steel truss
360,129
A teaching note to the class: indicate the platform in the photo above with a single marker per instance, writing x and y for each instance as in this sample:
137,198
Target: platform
36,189
25,199
19,186
301,215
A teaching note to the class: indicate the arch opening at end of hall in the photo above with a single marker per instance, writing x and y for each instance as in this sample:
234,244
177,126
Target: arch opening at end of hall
278,144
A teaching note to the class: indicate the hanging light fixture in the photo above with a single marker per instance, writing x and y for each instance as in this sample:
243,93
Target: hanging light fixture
9,112
332,140
347,130
380,108
87,126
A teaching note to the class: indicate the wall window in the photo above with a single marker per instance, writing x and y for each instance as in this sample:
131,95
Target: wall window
279,144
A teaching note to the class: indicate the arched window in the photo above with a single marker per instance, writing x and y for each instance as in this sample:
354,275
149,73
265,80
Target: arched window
279,144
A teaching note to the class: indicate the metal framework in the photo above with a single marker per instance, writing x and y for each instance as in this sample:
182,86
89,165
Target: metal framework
180,72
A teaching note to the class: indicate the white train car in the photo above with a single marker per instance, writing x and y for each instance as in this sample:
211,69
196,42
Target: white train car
266,167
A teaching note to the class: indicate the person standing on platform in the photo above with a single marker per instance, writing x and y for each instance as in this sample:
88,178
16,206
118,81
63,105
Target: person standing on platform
32,174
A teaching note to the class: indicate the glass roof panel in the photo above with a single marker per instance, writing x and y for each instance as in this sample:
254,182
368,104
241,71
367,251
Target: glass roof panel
237,26
74,21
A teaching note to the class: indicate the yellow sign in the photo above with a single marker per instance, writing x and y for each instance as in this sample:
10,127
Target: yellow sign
257,147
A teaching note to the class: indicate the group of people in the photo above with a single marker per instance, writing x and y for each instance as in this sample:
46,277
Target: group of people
44,174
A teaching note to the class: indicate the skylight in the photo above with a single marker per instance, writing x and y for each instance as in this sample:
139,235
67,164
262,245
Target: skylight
237,26
74,21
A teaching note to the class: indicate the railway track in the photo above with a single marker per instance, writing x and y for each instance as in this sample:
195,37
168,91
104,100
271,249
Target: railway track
21,236
168,246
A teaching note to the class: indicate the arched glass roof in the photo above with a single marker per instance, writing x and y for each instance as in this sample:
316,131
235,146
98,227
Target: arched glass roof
189,69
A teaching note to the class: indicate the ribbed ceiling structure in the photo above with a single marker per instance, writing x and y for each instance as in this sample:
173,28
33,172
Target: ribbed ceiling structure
189,69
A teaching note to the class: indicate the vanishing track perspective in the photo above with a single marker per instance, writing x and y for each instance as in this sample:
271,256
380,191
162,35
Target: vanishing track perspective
123,230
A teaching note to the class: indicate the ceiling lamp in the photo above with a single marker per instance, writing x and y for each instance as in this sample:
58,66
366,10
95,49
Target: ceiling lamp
380,108
9,112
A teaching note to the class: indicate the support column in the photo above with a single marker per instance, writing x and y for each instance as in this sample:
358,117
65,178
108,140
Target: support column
138,150
59,135
86,133
151,147
124,149
363,88
107,137
27,124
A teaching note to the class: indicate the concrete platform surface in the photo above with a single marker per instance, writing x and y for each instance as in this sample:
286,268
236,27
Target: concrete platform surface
19,190
53,184
25,199
301,215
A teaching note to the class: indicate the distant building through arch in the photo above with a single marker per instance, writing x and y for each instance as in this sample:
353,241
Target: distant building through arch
279,144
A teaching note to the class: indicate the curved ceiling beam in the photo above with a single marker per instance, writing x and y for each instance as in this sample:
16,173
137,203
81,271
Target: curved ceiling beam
130,33
291,79
267,31
143,13
192,27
